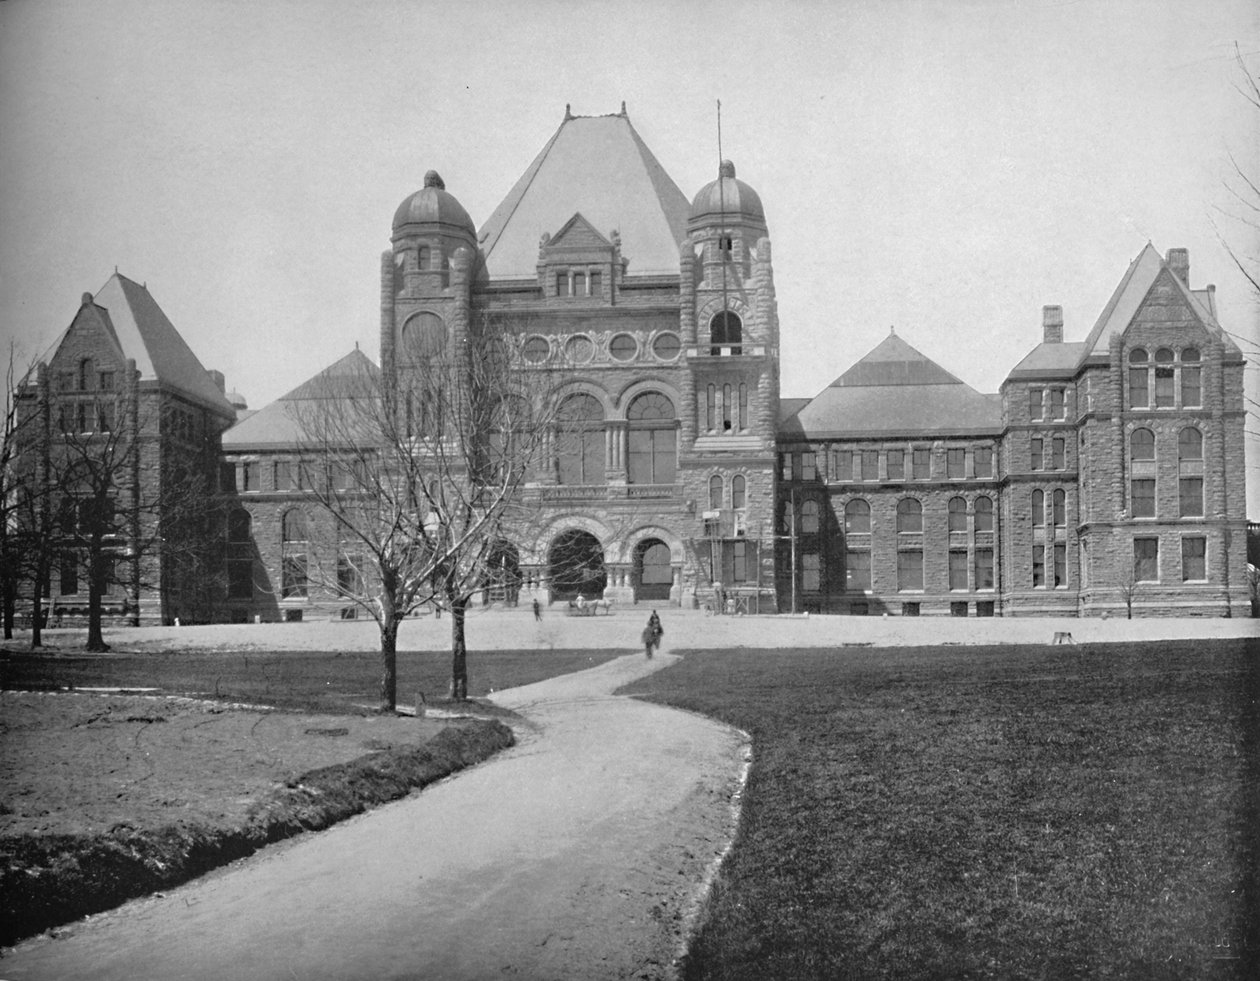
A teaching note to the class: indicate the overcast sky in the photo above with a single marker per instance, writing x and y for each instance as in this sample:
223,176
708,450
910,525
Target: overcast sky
942,167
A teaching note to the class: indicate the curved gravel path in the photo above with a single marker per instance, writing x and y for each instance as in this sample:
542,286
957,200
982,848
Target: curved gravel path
577,854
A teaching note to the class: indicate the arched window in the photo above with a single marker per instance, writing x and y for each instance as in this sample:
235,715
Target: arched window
653,440
1059,503
238,526
715,492
1142,445
1165,379
725,331
87,372
580,440
957,514
1190,444
423,337
1190,354
857,518
984,514
710,410
1164,356
1191,377
809,517
738,497
293,527
1138,356
422,257
1038,508
1139,378
909,515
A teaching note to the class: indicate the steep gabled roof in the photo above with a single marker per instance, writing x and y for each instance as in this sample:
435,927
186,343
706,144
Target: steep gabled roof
896,390
1054,359
599,166
144,333
1130,294
279,424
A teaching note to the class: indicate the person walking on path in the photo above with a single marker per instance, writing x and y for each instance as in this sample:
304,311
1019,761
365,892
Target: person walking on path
537,609
652,633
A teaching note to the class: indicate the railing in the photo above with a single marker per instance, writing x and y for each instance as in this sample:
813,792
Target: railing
609,492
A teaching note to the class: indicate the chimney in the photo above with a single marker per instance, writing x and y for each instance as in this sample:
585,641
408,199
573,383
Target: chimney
1052,324
217,377
1179,263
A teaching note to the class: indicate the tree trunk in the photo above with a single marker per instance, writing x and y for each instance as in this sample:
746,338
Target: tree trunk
10,606
459,651
95,638
389,664
37,610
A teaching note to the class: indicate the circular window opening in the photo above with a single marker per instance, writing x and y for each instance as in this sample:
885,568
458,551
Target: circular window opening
536,350
666,347
623,347
579,349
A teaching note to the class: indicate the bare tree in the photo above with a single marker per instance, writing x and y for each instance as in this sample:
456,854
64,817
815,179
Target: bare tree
416,476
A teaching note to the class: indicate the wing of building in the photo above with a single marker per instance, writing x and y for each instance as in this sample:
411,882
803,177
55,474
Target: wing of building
1105,477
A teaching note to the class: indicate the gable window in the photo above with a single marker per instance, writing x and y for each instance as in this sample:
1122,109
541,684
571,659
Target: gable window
87,375
106,381
1165,378
1191,378
896,464
1139,379
579,284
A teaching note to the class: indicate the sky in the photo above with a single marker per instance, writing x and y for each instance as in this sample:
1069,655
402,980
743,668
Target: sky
942,168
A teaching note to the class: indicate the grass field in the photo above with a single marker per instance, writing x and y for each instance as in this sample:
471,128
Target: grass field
1030,812
320,681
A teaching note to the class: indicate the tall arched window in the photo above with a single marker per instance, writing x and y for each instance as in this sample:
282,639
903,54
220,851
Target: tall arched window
87,371
710,406
422,257
857,517
1142,445
809,517
293,527
984,514
1191,377
1190,444
1038,508
1059,505
653,439
957,514
715,492
580,440
1139,378
725,331
909,515
738,495
238,526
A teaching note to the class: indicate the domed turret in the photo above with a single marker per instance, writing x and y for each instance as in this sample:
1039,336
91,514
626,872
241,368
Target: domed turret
433,204
727,196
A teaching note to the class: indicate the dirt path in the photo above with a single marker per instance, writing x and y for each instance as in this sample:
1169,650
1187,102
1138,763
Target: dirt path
576,854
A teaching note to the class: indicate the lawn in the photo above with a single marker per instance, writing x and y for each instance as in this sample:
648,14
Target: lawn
1015,812
323,681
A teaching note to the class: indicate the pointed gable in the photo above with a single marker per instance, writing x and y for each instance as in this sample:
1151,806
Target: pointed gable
598,166
894,391
143,333
578,234
279,424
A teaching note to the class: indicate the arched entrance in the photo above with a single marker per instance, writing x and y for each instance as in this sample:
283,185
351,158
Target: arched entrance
653,570
502,580
575,564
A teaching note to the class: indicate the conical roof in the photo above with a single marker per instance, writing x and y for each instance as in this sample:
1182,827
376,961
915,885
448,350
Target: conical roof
599,166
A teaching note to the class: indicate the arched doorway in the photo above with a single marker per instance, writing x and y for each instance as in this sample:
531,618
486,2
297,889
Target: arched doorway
653,570
575,566
502,580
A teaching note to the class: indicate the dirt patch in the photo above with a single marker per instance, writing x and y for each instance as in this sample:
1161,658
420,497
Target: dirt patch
109,797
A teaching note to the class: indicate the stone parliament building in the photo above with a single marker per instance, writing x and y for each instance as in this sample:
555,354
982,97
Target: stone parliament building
1106,472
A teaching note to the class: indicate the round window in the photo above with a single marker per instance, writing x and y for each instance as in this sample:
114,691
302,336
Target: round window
623,347
666,346
579,349
536,350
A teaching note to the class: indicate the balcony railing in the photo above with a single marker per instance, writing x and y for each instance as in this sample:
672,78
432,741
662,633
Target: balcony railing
609,492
